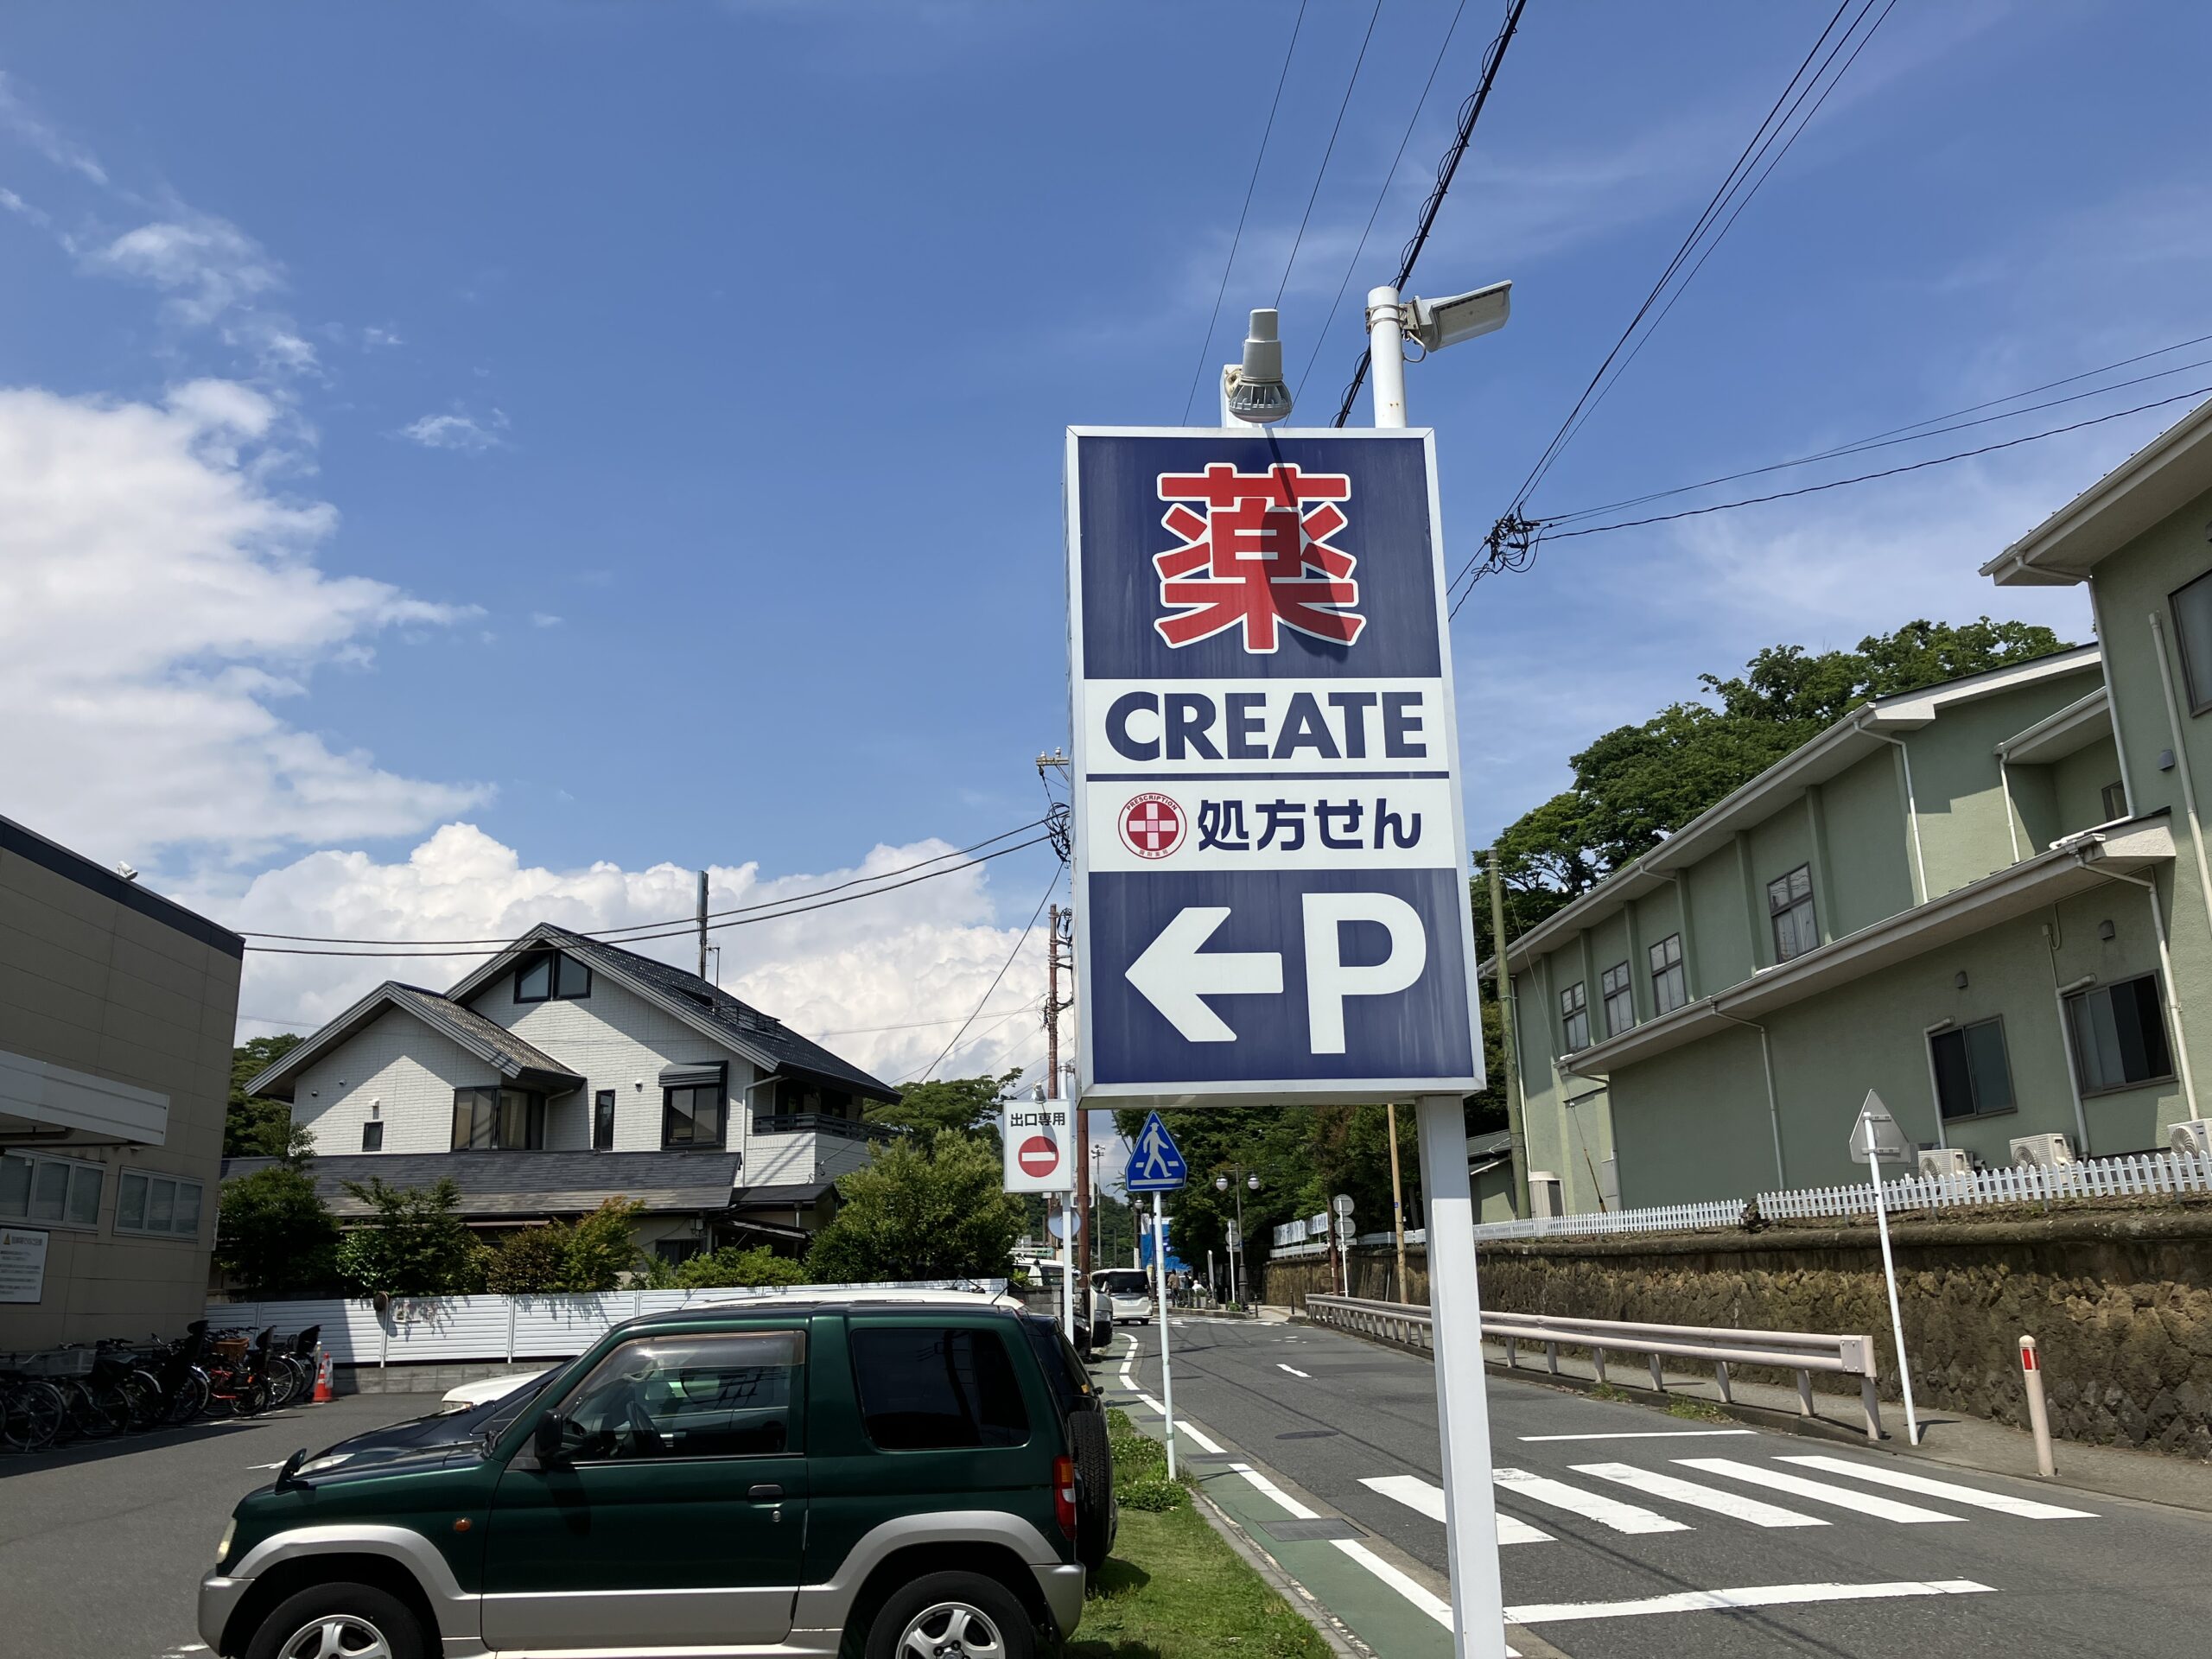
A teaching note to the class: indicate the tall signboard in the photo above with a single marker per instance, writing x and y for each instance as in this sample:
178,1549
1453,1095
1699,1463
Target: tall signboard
1270,864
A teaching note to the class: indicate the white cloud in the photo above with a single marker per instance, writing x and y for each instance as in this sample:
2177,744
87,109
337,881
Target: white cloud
18,119
372,339
894,974
157,601
457,431
543,619
216,277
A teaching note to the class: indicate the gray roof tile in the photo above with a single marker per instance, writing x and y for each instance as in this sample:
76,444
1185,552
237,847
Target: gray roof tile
495,1185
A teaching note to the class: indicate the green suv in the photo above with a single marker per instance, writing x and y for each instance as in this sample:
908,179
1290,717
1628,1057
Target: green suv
796,1477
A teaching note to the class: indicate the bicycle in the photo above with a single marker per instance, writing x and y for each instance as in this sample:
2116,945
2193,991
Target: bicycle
32,1410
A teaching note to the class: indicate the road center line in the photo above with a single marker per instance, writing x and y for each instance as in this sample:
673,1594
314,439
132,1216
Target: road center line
1760,1595
1642,1434
1294,1371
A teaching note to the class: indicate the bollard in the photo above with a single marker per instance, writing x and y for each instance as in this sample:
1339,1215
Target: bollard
2038,1416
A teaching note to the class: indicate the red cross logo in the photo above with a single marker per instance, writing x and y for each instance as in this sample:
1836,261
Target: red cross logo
1152,826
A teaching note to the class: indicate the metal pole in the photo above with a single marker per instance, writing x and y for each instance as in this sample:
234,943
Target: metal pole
2038,1416
1237,1256
702,923
1070,1217
1890,1275
1462,1400
1397,1195
1508,1059
1386,351
1160,1286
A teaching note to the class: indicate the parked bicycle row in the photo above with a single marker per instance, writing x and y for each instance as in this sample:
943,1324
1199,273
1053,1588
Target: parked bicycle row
119,1387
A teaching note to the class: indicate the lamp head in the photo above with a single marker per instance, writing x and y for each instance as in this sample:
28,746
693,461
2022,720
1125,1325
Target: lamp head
1252,1181
1254,387
1221,1182
1438,323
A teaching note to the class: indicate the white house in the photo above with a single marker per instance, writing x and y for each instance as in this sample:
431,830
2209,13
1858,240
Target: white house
565,1071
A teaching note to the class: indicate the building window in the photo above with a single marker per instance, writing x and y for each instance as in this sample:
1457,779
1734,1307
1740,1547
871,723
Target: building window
2120,1034
498,1120
1789,902
1574,1017
146,1203
52,1191
372,1137
1620,1001
2115,802
544,978
1669,984
2192,608
603,1121
1973,1077
691,1117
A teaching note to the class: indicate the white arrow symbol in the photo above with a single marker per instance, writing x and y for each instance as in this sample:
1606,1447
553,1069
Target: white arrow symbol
1173,977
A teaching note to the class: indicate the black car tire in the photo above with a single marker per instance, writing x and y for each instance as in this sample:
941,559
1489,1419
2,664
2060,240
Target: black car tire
952,1597
290,1632
1094,1487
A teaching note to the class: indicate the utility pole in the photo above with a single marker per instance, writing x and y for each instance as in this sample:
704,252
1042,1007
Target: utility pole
702,923
1059,951
1397,1196
1506,1058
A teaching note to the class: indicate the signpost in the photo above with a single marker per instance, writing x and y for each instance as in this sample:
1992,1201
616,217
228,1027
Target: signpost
1156,1167
1877,1138
1037,1141
1270,861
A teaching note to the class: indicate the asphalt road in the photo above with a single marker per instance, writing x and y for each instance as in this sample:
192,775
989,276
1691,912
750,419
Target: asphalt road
102,1547
1602,1537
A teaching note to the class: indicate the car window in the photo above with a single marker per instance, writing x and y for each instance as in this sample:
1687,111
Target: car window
718,1396
924,1388
1125,1281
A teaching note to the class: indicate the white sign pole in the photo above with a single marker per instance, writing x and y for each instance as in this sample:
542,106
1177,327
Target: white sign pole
1890,1275
1462,1400
1068,1217
1160,1283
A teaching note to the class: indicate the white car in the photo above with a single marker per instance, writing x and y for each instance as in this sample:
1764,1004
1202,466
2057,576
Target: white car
485,1388
1125,1293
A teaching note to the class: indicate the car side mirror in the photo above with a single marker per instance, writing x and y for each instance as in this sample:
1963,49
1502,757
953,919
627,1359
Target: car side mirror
549,1444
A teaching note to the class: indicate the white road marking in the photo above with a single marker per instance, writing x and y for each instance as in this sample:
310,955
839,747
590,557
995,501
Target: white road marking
1758,1595
1644,1434
2026,1508
1882,1508
1294,1371
1197,1437
1427,1600
1428,1497
1592,1506
1297,1511
1653,1485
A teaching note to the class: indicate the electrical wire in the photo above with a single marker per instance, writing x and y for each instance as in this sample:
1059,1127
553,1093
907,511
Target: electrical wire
399,953
1470,111
1299,240
923,1025
1051,887
1381,196
681,924
1205,345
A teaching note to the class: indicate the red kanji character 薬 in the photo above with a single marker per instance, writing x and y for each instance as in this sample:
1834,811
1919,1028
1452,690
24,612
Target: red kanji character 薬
1258,558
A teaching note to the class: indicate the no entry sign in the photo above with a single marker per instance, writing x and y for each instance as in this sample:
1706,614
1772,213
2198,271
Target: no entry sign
1039,1142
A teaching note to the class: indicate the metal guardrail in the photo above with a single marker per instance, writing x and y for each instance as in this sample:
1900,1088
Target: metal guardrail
1783,1350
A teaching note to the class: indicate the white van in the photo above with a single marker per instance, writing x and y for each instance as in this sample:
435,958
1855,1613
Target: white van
1125,1293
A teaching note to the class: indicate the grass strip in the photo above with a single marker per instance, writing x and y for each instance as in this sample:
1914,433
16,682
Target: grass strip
1174,1589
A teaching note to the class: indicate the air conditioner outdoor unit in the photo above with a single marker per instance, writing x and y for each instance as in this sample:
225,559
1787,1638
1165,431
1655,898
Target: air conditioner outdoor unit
1935,1163
2192,1139
2042,1152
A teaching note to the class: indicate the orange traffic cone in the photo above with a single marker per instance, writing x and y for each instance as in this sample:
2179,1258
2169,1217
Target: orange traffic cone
323,1390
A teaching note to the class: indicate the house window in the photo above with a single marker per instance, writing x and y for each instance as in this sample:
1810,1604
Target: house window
553,976
1669,984
603,1121
1973,1077
2192,608
372,1137
2120,1034
2115,802
52,1191
498,1120
160,1204
691,1117
1620,1001
1789,903
1574,1017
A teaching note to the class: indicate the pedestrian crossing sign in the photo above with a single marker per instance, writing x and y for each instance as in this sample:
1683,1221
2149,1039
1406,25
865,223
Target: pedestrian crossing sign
1155,1161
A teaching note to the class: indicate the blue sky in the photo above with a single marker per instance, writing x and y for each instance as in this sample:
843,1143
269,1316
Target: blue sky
635,432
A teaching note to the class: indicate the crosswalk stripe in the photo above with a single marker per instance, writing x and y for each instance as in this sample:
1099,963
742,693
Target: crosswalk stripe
1882,1508
1728,1601
2026,1508
1654,1484
1428,1497
1592,1506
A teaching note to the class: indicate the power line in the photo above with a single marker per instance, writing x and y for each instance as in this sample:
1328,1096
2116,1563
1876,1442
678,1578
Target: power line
1299,240
1389,175
398,953
681,924
1205,345
922,1025
1050,889
1469,113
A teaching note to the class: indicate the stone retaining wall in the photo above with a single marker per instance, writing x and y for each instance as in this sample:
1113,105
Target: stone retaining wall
2119,1304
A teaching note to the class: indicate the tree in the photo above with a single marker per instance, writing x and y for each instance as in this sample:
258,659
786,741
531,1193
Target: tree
415,1244
255,1126
276,1233
948,1106
591,1254
921,1213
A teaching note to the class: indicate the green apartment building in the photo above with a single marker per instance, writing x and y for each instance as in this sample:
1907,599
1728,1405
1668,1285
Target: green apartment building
1986,900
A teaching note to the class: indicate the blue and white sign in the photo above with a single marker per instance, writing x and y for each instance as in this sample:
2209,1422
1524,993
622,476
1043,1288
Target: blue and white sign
1155,1161
1271,870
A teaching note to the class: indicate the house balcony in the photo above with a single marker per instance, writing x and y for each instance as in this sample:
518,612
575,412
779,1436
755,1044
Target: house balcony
788,1148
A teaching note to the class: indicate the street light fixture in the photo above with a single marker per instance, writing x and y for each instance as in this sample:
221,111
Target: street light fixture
1435,323
1253,389
1242,1182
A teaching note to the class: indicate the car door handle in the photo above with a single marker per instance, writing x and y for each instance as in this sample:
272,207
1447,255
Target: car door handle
765,1489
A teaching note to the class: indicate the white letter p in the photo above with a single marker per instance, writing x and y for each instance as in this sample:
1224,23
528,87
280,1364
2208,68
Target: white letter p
1329,981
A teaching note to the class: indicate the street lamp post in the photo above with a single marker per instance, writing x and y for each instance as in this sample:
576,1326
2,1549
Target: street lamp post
1241,1181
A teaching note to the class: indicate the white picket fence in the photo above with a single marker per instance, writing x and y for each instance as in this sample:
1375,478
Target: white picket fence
440,1330
2143,1175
